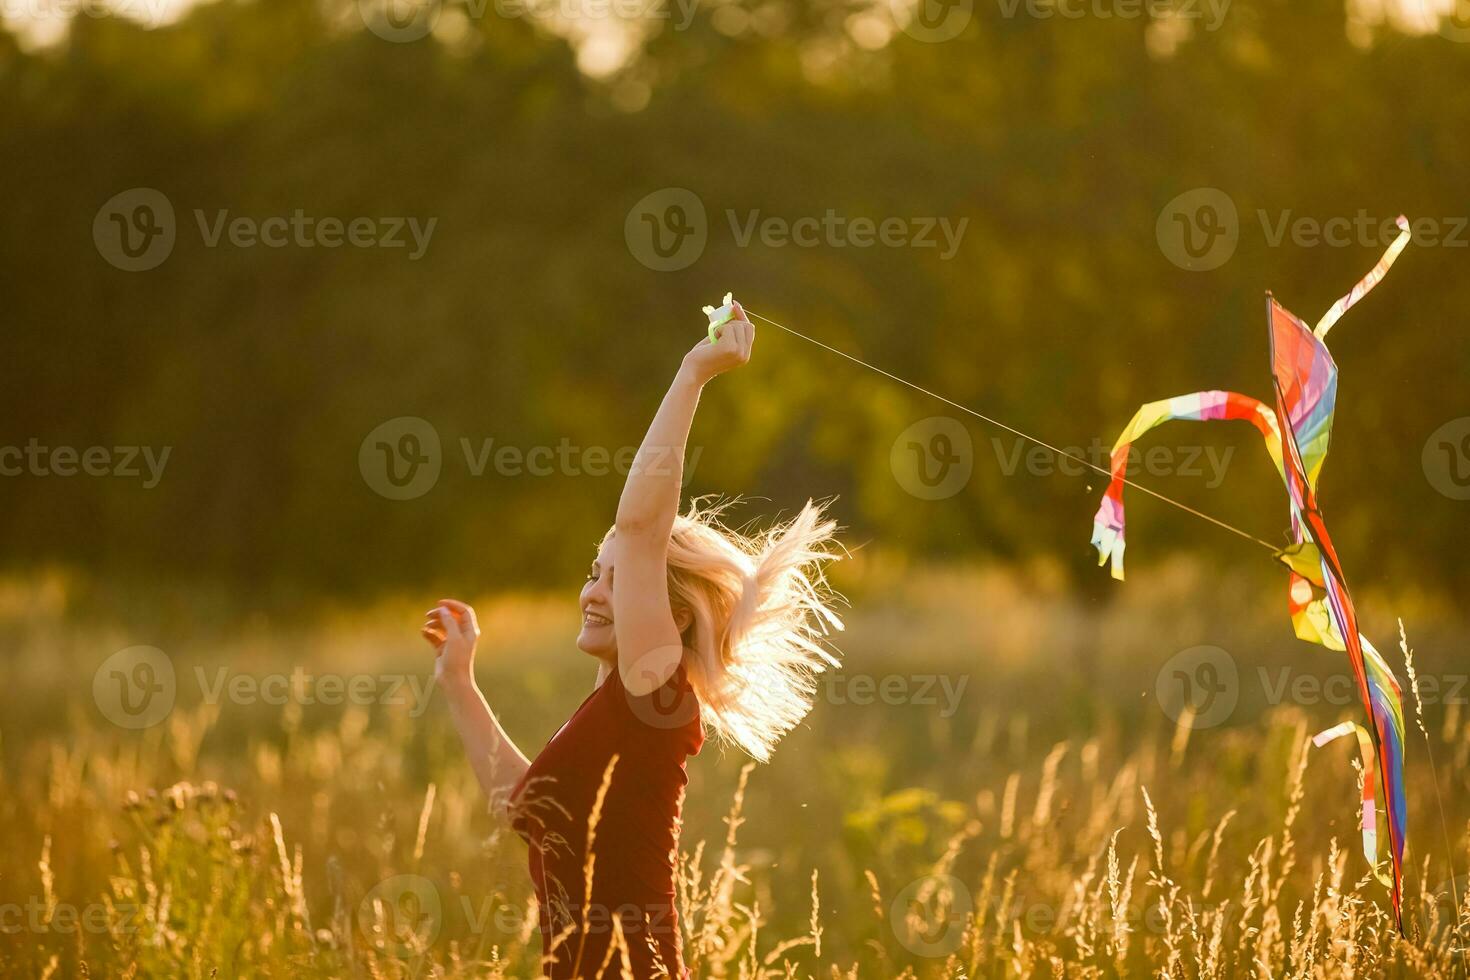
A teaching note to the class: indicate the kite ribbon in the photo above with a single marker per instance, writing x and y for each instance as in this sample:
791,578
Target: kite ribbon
1370,787
1365,285
1108,525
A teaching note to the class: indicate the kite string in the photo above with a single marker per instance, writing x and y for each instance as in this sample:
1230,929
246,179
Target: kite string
1017,432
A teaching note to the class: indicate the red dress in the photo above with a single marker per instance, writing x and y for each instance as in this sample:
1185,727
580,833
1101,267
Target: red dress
636,837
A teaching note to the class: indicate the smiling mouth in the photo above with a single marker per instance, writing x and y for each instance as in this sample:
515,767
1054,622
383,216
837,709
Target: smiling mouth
592,619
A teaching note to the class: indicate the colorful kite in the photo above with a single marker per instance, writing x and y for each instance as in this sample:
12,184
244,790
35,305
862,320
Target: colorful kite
1296,434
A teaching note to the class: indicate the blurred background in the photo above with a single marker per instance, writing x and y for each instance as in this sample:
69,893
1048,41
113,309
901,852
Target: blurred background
315,311
527,138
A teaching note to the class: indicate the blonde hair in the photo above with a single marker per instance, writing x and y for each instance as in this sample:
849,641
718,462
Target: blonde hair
762,610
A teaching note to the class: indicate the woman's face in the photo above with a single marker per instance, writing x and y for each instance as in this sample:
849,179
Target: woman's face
597,636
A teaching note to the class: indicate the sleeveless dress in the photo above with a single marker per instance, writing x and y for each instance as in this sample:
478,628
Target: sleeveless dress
636,837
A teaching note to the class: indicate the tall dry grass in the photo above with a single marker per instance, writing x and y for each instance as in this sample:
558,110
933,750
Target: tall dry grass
1052,827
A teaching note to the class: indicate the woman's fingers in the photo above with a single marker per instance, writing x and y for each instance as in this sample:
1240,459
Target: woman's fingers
438,624
740,331
458,616
459,610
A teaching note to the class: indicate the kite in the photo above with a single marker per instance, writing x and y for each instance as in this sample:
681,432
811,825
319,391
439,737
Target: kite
1296,429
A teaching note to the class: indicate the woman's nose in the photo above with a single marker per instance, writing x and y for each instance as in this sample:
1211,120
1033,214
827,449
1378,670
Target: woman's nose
598,589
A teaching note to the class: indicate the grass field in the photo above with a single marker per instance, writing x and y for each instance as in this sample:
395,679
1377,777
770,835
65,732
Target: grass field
994,786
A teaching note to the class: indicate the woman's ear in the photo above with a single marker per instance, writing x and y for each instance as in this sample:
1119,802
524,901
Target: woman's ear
683,618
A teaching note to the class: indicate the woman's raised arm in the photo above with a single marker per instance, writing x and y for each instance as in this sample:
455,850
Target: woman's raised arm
649,645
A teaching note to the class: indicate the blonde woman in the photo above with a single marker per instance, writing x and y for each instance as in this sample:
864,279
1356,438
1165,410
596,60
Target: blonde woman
695,628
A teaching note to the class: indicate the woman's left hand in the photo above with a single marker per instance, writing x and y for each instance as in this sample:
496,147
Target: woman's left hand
707,360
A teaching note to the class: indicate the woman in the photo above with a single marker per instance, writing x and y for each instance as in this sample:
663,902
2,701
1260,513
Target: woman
695,627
